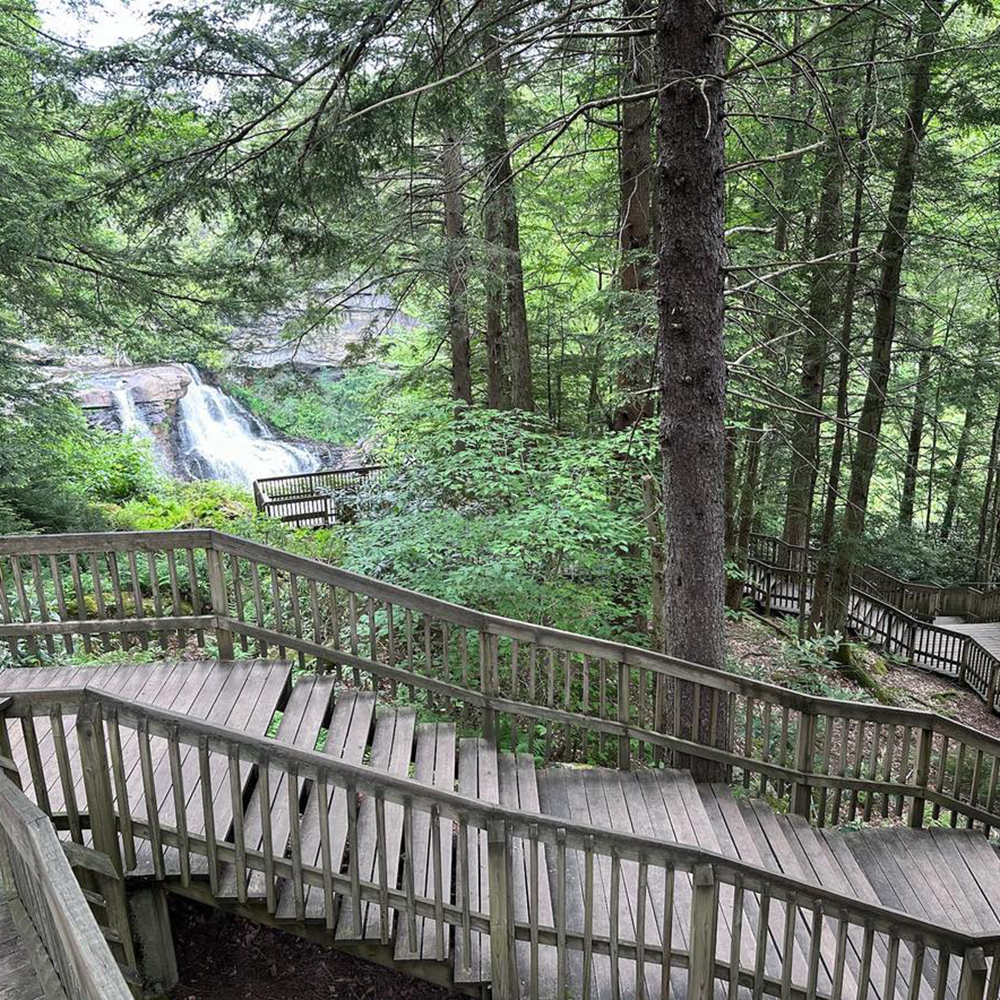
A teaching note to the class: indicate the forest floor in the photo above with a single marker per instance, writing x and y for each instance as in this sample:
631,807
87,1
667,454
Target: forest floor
766,650
224,957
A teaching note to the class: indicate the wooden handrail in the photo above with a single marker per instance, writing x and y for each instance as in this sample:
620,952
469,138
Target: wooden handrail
547,829
566,692
35,867
504,825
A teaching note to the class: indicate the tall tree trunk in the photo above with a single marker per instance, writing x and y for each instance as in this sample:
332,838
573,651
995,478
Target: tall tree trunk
892,252
987,504
691,165
822,315
820,610
500,186
745,510
497,384
915,437
457,266
955,481
635,170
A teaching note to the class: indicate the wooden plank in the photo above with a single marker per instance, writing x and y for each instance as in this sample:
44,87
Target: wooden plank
392,751
347,740
553,793
180,694
815,852
609,809
435,765
981,908
519,790
736,841
981,860
477,778
306,712
18,979
890,885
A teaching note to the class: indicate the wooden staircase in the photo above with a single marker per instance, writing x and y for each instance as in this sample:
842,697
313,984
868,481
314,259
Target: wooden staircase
950,877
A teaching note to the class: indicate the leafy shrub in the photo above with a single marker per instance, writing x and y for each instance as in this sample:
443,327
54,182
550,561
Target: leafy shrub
321,409
498,511
107,467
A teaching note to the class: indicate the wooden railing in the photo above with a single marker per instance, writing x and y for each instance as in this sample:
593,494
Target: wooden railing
556,694
821,926
925,601
35,869
315,499
786,585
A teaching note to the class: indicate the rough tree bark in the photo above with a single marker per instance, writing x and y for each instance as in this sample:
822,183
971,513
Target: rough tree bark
497,384
915,438
457,266
635,170
691,188
892,252
821,317
500,188
955,482
820,609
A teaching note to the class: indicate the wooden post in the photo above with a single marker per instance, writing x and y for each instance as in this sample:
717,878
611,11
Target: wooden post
701,968
991,693
220,601
624,750
972,985
101,810
487,653
801,797
503,973
963,665
921,774
7,765
97,782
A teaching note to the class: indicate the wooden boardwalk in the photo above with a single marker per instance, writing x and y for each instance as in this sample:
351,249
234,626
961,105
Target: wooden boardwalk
949,876
18,978
987,634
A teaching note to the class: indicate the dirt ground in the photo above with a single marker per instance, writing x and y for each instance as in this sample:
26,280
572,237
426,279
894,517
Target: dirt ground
222,957
761,647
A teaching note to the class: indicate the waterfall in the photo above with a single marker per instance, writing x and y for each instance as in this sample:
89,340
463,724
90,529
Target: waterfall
220,439
128,413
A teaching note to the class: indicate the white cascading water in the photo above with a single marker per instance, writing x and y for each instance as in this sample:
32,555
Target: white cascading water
128,414
220,439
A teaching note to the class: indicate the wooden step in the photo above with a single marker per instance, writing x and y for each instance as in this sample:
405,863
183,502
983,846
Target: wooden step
737,841
554,799
909,872
778,854
392,751
306,712
435,765
519,790
347,740
815,854
978,874
477,777
249,695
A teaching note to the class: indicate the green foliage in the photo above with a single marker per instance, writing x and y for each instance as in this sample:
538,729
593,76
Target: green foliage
497,511
174,505
55,471
108,468
320,408
912,554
